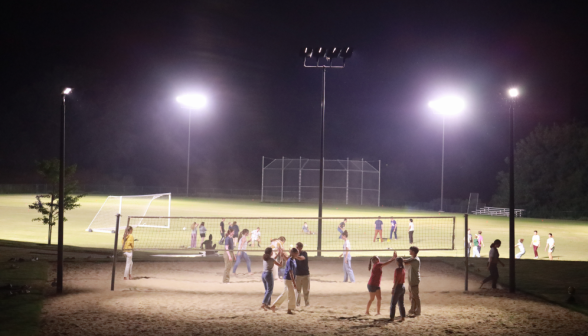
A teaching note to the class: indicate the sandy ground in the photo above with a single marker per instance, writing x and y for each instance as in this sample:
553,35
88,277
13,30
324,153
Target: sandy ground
187,298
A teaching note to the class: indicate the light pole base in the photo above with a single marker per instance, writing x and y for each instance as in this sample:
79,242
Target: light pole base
440,211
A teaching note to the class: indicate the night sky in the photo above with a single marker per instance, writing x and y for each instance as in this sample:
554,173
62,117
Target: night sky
127,61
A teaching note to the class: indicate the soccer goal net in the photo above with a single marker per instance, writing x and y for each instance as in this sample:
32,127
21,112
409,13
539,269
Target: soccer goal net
430,233
132,205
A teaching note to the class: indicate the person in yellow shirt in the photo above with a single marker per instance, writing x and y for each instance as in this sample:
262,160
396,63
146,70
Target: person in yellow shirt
128,243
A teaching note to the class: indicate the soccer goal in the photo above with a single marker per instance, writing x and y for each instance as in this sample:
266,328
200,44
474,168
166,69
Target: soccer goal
430,233
132,205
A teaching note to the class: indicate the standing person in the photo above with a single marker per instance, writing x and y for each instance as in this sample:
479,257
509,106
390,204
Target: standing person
374,283
476,247
410,231
480,242
341,227
202,230
535,243
208,246
347,258
378,225
493,264
235,233
521,249
398,291
277,246
242,254
194,235
128,243
228,255
470,242
393,228
289,284
550,246
267,277
302,275
222,232
414,279
255,237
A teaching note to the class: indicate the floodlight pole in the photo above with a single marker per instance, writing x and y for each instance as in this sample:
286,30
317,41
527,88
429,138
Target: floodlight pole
61,196
188,168
511,215
442,162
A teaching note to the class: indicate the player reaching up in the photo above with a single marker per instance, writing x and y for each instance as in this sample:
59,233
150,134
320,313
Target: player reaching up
277,246
373,285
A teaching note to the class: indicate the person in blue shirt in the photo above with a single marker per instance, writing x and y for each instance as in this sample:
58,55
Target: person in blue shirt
393,228
378,229
341,227
289,284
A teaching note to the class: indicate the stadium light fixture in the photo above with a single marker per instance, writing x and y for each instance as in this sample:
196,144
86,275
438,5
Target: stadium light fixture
513,92
446,106
333,52
306,52
66,91
346,53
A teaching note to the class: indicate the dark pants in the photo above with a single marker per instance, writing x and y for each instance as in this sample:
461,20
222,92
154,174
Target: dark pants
340,231
493,275
222,240
398,298
393,232
268,284
410,236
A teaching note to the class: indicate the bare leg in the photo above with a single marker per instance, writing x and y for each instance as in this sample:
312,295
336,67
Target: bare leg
372,296
379,301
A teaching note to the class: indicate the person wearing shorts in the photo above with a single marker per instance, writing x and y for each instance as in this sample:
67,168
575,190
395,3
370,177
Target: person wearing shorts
202,230
550,246
378,225
373,285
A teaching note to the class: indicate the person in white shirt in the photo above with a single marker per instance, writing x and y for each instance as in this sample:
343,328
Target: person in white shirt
255,237
535,243
550,246
347,258
242,255
521,249
410,230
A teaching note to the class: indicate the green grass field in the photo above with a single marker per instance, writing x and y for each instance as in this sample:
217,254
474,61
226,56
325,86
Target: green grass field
16,224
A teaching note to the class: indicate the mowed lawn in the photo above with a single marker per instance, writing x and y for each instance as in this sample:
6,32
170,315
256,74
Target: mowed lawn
16,224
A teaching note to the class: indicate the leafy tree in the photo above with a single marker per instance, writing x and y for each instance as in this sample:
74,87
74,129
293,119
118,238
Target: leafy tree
49,211
551,175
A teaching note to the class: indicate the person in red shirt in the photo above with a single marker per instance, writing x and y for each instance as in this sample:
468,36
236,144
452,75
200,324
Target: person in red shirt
398,291
374,282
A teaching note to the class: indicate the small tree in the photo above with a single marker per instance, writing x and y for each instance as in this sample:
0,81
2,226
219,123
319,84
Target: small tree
49,169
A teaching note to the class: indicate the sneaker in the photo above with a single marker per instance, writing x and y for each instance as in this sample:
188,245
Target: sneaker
536,257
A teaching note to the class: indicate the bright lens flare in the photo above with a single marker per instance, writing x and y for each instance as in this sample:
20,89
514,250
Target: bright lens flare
514,92
447,105
192,101
66,90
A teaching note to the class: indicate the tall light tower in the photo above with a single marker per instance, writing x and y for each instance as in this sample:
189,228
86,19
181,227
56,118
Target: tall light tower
513,93
64,94
324,58
446,106
191,102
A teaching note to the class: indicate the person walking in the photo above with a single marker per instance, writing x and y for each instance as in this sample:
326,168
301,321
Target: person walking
128,243
242,255
267,278
393,228
341,227
289,284
378,225
398,291
202,230
550,246
302,275
347,258
521,249
414,279
410,231
228,255
535,243
373,285
480,242
194,235
222,232
235,233
493,261
476,247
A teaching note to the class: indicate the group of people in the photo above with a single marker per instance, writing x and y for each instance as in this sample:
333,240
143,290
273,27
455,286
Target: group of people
393,229
476,242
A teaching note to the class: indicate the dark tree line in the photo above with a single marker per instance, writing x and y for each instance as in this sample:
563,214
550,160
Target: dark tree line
551,173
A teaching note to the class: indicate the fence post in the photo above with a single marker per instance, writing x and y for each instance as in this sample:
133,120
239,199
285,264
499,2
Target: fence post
361,192
466,242
115,248
379,179
347,185
300,180
282,197
262,175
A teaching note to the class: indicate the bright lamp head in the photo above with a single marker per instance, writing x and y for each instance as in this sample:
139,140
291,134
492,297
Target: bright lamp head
513,92
333,52
192,101
66,91
306,52
319,52
346,53
448,105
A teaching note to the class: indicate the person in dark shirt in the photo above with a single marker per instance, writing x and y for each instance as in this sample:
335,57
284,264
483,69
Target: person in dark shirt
302,275
208,246
289,292
235,234
229,256
222,231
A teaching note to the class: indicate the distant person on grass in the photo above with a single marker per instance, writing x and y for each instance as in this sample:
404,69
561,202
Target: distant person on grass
305,229
228,255
289,284
235,233
242,255
194,235
128,243
398,291
373,285
535,243
393,228
378,225
414,279
480,242
267,277
222,231
476,247
493,261
341,227
469,242
302,275
255,237
347,258
411,231
202,230
550,246
521,249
